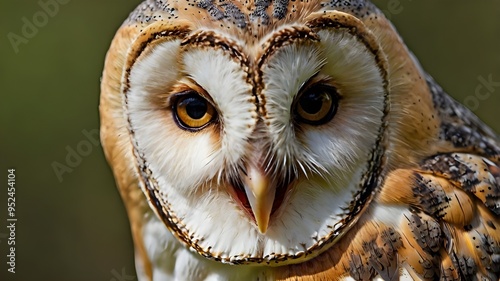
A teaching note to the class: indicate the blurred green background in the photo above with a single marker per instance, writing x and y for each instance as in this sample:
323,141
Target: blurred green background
76,229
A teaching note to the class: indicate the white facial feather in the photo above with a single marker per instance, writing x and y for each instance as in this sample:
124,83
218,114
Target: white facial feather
335,153
184,160
326,161
224,81
284,76
172,261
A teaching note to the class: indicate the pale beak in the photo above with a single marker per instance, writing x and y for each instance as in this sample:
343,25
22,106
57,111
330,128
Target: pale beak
260,193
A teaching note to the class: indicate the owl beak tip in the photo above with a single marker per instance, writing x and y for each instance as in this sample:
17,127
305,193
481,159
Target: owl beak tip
260,194
263,227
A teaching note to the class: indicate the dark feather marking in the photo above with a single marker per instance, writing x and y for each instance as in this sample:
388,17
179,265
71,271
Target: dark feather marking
433,199
467,266
280,8
358,270
429,267
233,12
447,274
226,10
213,10
383,260
452,167
427,233
489,248
462,136
359,8
493,196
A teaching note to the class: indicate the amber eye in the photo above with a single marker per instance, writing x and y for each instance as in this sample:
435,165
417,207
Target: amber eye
192,111
317,105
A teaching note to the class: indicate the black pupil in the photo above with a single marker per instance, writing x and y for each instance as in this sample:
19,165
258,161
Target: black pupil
311,102
196,107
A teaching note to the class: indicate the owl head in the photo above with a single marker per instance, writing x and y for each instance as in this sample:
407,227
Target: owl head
256,130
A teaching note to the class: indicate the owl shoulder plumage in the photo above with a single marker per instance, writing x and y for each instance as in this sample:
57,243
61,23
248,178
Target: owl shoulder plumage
422,226
450,229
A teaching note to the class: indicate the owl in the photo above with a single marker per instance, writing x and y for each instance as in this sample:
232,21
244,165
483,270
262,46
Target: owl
293,140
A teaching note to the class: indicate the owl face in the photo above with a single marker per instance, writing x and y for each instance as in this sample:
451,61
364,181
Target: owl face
260,146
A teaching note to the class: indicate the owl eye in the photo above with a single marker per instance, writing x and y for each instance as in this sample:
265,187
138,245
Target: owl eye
317,105
192,111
